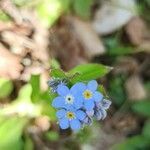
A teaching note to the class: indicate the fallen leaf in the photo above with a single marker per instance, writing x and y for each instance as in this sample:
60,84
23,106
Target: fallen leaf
113,15
66,47
89,40
126,65
136,30
135,88
10,66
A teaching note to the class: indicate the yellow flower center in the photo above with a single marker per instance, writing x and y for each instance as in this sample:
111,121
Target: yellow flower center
87,94
70,115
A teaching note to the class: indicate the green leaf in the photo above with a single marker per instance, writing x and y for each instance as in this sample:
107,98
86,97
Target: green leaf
4,17
49,111
6,87
25,93
28,145
117,91
134,143
58,73
146,130
52,135
83,8
10,133
23,106
115,47
89,72
102,90
85,135
35,83
121,50
50,10
54,64
142,108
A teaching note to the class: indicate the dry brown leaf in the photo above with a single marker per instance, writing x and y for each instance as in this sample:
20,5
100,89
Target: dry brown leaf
126,122
10,66
113,15
135,88
66,46
43,123
17,42
89,40
136,30
8,7
40,36
144,46
126,65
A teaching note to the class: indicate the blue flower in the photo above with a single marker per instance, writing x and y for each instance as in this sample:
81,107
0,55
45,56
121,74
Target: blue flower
70,118
100,109
88,94
67,98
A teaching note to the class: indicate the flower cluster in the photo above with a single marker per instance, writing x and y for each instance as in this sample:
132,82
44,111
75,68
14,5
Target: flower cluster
78,104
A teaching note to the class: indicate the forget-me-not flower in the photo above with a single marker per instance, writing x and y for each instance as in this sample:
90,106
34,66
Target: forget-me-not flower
70,118
88,94
67,98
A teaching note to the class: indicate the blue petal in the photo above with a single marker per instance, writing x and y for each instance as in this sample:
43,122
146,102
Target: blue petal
92,85
98,96
64,123
78,88
58,102
61,113
89,105
69,106
62,90
80,115
78,102
75,124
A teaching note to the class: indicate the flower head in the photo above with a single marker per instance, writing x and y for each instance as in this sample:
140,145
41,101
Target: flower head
88,94
79,104
70,118
67,98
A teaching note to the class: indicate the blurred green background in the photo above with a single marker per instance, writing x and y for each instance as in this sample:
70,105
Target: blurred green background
39,35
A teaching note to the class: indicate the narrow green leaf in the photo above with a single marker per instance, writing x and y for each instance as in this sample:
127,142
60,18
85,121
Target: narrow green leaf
58,73
6,87
117,90
142,108
146,129
54,64
83,8
134,143
89,72
28,145
52,135
35,83
25,93
102,90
